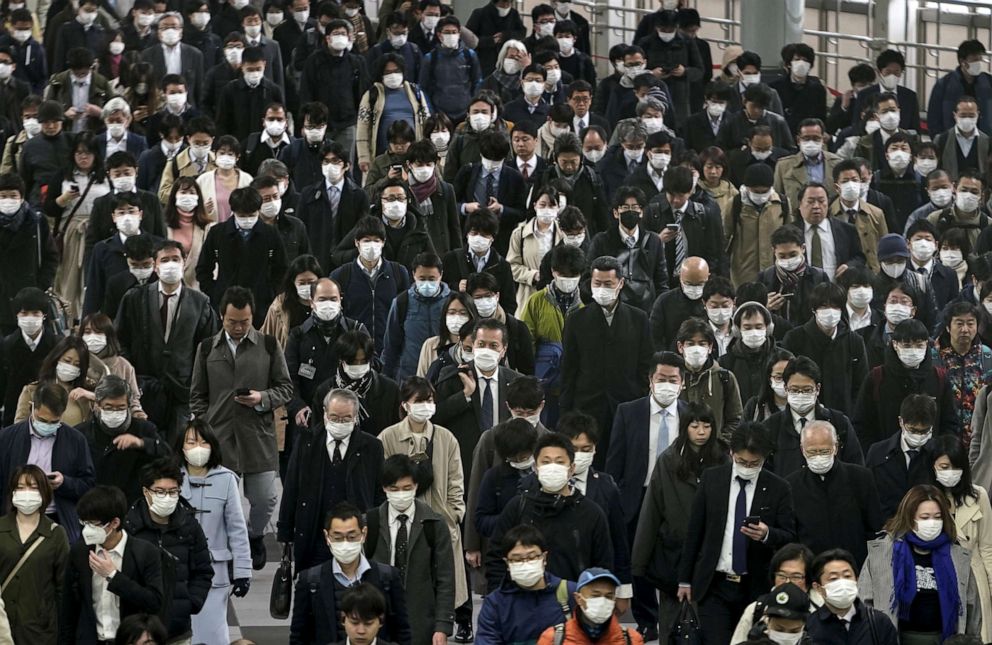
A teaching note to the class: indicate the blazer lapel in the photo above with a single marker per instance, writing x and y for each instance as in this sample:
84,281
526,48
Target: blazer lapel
504,382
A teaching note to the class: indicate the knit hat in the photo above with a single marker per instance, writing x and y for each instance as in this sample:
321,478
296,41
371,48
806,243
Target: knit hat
892,245
759,174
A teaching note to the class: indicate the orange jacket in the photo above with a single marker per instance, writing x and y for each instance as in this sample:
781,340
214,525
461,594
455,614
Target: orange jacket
574,635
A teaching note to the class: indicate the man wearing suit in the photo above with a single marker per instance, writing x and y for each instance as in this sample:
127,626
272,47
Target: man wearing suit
951,143
331,207
625,157
244,101
122,170
83,32
479,256
116,255
891,65
331,463
117,138
23,350
174,57
735,130
58,449
872,146
642,430
107,568
811,164
905,459
195,159
604,337
679,303
758,148
491,184
408,534
686,227
741,515
318,589
251,24
531,166
922,238
701,129
466,402
161,345
831,245
579,96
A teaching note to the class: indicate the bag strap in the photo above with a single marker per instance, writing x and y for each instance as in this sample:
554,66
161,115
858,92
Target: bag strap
75,207
626,635
20,563
559,633
561,595
870,616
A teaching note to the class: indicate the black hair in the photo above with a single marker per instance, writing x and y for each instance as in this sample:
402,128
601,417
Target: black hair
364,601
50,395
482,220
345,511
427,260
918,409
718,285
12,181
206,432
827,294
766,396
524,392
804,366
102,504
792,551
678,180
787,234
163,468
568,259
753,437
910,330
693,460
692,327
121,159
524,535
554,440
139,247
133,627
951,446
514,437
237,297
485,281
397,467
575,423
48,365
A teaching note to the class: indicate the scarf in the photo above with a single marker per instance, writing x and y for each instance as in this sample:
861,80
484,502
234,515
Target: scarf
15,221
360,387
790,278
423,191
904,578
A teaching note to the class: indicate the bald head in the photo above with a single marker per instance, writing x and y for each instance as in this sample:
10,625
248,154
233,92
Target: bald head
694,271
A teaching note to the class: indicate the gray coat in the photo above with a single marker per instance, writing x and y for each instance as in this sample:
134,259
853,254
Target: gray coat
430,580
875,586
217,501
247,435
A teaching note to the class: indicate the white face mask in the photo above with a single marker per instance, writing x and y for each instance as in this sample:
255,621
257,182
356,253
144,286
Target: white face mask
801,403
163,506
200,19
525,465
450,41
401,500
66,373
141,273
761,155
338,42
928,530
26,501
899,160
197,457
889,120
326,309
974,68
821,464
784,638
894,269
754,338
392,81
225,161
421,412
659,160
850,190
486,359
719,316
692,291
922,250
553,477
430,22
397,40
749,473
895,313
941,197
272,208
567,285
574,240
566,45
346,552
187,202
370,251
486,306
948,257
599,610
441,139
533,89
800,68
949,478
170,37
925,165
915,439
124,184
593,155
94,535
778,387
860,297
695,356
911,357
966,202
32,127
114,419
454,322
356,372
332,172
666,393
811,149
95,342
394,211
828,317
604,296
274,19
254,78
422,173
653,124
526,574
128,225
582,461
339,429
246,223
10,206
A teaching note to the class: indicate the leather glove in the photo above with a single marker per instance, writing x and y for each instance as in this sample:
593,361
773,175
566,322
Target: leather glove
241,586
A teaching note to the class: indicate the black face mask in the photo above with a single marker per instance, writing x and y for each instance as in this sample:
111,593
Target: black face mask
630,219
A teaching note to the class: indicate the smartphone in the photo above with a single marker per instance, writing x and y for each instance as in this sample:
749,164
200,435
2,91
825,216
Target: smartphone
396,167
752,519
243,391
52,477
465,369
672,226
74,188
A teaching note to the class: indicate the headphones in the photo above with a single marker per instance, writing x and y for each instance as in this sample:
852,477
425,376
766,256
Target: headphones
752,305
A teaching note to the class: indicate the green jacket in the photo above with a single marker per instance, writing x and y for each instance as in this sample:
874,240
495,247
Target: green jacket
543,317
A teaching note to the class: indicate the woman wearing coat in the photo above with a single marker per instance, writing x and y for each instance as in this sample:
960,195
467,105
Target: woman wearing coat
32,596
98,332
458,312
435,450
940,601
771,398
291,307
217,185
972,516
667,504
531,241
68,364
212,490
187,222
713,178
392,97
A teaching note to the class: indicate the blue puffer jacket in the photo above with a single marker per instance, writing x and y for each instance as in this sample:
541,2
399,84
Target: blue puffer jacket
511,615
405,337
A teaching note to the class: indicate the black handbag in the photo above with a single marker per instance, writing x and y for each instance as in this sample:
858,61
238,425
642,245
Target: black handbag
686,629
281,597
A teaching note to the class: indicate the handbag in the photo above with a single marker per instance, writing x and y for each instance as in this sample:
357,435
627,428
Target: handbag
59,235
282,587
686,629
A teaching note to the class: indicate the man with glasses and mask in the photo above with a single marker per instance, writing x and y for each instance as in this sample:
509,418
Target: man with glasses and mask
726,554
160,519
239,378
319,588
331,463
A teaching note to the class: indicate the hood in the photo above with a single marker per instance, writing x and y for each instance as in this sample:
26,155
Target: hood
542,504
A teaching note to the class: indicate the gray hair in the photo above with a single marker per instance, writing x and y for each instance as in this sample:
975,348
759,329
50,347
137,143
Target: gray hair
273,167
649,103
629,131
818,426
347,395
116,104
173,14
112,386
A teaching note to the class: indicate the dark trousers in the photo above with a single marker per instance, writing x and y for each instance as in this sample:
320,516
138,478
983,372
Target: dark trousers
721,609
644,603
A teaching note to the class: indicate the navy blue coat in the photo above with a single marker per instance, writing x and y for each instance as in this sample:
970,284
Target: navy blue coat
108,259
893,478
136,144
70,456
368,301
326,230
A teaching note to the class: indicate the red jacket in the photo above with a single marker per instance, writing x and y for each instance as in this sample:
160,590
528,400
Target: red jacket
574,635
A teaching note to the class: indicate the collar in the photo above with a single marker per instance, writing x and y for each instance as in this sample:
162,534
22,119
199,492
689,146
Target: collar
179,289
32,343
624,236
392,513
480,375
265,138
672,409
844,209
475,258
581,479
962,135
251,337
810,416
111,139
851,612
363,566
119,549
339,185
171,50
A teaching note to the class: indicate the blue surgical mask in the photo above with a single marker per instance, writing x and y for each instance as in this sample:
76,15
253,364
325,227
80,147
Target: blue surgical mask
428,288
44,428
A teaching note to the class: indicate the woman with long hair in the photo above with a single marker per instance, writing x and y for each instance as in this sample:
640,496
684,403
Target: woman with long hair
68,204
68,365
291,307
98,332
972,513
771,397
459,311
217,185
664,518
187,222
532,240
918,575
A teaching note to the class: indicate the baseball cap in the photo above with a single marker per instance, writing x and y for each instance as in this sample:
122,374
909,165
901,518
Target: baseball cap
592,575
786,601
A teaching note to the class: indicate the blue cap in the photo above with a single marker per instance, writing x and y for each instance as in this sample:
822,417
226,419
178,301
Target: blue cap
594,574
892,245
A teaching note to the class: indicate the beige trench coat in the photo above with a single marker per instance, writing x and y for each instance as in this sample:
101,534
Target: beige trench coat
973,521
447,495
524,256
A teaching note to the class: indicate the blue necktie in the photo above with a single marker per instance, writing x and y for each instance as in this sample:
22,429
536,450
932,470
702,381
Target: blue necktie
487,404
681,250
740,540
334,197
662,442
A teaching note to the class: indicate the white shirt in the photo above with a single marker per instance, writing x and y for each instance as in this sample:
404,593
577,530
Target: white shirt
272,143
722,339
672,421
916,267
173,305
116,146
231,343
905,448
107,605
796,424
580,122
342,443
173,59
857,321
370,272
80,94
848,617
579,482
826,246
659,181
32,343
494,385
636,235
725,564
529,165
394,527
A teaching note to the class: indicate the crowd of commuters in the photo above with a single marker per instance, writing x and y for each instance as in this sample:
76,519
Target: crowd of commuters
694,336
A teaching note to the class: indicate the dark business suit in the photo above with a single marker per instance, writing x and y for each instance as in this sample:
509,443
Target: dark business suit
721,600
192,62
19,365
847,244
327,229
135,144
787,457
739,160
511,192
893,477
109,259
458,266
697,132
138,584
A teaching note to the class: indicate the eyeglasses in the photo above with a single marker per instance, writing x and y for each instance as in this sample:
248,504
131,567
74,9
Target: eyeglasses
749,464
394,198
341,419
824,452
794,578
172,493
525,559
797,390
349,537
